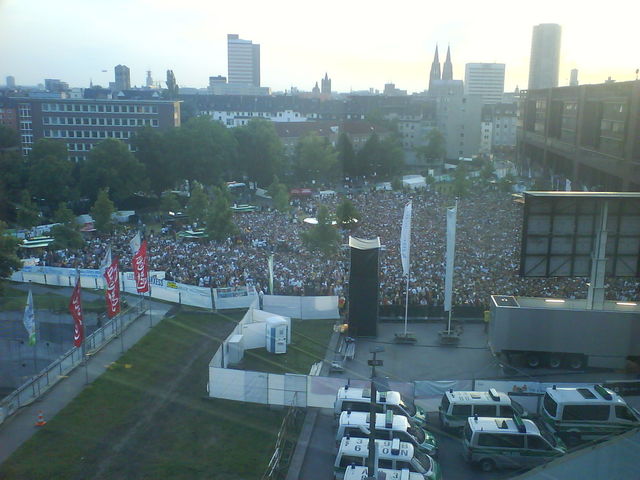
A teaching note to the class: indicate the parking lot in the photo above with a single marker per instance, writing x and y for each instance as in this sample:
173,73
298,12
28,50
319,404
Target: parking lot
428,360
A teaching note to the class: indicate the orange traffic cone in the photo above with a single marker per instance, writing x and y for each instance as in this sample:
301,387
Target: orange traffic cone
40,421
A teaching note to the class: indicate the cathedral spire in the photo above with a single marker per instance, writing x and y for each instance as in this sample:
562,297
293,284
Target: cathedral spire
435,69
447,68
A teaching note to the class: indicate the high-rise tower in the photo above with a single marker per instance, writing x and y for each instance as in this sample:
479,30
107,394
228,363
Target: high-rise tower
447,68
123,77
435,69
243,58
544,63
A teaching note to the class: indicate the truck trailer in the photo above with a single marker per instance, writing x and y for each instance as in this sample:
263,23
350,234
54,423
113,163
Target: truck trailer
554,332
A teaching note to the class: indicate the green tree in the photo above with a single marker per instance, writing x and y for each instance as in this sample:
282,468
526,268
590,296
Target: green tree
13,180
368,158
461,181
346,156
279,195
260,151
102,210
67,233
50,173
505,184
391,157
8,137
111,165
9,261
435,149
322,237
220,223
347,214
151,150
315,159
28,214
199,204
170,203
487,172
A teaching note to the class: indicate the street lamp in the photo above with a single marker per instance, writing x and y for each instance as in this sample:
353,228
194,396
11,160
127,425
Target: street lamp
377,384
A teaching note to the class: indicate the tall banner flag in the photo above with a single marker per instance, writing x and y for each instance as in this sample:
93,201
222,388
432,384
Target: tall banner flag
106,261
270,261
141,269
134,243
112,292
405,238
29,319
75,307
451,251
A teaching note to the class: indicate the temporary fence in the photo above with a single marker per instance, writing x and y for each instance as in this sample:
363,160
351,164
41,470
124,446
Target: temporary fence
285,444
40,383
306,308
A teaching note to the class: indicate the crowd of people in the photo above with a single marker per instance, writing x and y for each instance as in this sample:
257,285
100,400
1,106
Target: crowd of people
486,256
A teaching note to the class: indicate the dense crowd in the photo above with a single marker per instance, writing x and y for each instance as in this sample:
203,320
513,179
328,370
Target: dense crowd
486,257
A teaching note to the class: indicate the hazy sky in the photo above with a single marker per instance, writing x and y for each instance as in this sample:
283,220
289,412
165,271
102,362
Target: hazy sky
361,44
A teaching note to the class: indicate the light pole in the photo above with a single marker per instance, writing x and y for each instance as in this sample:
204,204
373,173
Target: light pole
377,384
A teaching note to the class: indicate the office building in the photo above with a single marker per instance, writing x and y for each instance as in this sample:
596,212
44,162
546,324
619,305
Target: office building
243,58
486,80
55,85
82,123
123,78
573,81
11,81
589,134
544,63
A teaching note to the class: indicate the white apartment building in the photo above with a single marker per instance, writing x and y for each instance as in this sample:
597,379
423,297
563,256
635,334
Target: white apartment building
486,80
243,58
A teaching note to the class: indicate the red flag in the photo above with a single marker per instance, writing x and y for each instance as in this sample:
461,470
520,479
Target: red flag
141,269
75,307
112,293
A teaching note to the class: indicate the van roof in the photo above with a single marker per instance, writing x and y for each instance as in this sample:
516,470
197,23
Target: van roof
585,395
357,393
498,398
358,472
399,422
501,425
360,447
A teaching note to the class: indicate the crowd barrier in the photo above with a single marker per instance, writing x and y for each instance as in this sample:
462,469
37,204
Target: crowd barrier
306,308
56,370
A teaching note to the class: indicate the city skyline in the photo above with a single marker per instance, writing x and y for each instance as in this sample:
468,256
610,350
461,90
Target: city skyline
77,43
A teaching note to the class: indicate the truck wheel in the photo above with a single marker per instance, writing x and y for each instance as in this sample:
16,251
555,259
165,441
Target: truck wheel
487,465
576,362
555,360
533,360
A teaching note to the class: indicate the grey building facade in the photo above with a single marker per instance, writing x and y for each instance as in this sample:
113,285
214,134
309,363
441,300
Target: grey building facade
544,63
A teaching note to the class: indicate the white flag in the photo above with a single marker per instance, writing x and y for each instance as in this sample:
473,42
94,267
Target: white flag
405,238
567,185
106,261
135,243
451,252
29,319
270,263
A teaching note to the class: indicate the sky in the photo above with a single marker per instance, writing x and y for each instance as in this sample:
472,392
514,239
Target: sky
360,44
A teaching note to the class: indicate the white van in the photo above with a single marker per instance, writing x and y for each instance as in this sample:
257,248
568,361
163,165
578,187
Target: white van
388,427
456,407
508,443
359,400
394,455
587,412
362,473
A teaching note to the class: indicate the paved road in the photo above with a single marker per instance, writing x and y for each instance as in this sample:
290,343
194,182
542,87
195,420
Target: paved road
20,427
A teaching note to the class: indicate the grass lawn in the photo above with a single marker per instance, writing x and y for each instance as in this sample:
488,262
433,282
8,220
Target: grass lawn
148,417
309,340
15,299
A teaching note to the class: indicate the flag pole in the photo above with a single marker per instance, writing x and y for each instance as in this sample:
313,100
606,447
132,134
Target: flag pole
406,306
83,347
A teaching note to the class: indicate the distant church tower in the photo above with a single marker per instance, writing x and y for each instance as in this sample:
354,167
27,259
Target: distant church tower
435,69
326,84
315,90
447,68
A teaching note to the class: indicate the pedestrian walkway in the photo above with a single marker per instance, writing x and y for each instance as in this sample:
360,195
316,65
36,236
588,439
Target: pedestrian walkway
18,428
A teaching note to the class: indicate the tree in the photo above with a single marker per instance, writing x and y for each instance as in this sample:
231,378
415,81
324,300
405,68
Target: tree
9,261
13,180
66,234
170,203
279,195
50,173
8,137
346,156
102,210
460,181
346,213
198,207
111,165
435,149
260,151
368,157
487,172
322,237
220,224
391,157
151,150
315,158
28,214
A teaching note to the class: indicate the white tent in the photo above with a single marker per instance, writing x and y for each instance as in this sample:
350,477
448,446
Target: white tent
414,181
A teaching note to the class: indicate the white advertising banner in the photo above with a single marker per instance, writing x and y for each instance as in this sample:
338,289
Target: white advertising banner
405,239
451,251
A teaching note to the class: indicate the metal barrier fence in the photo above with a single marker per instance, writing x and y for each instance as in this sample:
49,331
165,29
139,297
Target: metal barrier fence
40,383
285,444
